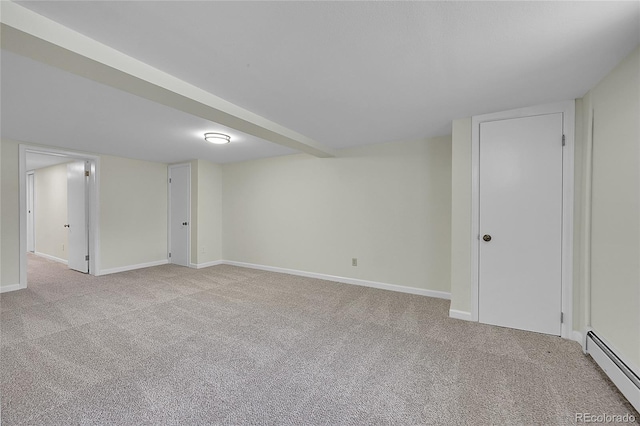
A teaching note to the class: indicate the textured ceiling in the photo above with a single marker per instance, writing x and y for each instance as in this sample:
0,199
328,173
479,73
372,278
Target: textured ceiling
353,73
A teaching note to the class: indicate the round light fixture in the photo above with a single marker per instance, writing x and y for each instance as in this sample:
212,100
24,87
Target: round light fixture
217,138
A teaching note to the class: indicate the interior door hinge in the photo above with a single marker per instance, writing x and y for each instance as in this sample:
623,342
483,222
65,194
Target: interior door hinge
169,180
561,317
86,257
169,254
87,173
564,141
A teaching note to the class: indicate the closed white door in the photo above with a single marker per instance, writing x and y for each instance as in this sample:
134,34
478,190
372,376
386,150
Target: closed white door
521,223
77,222
31,236
179,213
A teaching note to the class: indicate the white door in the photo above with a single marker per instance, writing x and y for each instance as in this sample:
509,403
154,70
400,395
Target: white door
179,213
77,222
521,223
31,236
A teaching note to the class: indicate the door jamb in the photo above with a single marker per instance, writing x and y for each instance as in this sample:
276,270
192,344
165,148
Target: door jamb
93,187
174,166
567,109
31,190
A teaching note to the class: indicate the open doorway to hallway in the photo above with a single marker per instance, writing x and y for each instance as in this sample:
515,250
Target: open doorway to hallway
58,203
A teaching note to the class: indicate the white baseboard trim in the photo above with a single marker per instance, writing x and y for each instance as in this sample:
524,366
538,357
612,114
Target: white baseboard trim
345,280
206,264
461,315
12,287
48,256
132,267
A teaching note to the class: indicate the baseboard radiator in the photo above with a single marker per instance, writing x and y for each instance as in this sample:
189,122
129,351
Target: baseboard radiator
620,374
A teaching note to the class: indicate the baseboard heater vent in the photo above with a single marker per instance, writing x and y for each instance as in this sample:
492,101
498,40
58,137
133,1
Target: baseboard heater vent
620,374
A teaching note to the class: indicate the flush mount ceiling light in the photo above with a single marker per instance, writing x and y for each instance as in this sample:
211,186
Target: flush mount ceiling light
217,138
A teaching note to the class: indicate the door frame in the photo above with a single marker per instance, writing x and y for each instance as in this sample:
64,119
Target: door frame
171,167
94,196
567,109
31,195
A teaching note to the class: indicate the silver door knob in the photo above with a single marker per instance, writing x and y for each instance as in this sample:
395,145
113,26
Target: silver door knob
486,237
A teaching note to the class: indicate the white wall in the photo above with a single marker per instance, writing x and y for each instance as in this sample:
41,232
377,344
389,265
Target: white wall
50,189
615,208
194,212
209,211
9,231
1,214
1,239
388,205
206,212
461,215
133,212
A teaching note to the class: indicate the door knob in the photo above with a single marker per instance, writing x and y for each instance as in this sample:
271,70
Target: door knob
486,237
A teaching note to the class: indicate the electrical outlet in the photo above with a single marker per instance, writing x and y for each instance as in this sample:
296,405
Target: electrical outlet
354,261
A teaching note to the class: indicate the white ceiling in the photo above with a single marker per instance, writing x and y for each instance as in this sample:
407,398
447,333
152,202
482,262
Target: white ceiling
342,73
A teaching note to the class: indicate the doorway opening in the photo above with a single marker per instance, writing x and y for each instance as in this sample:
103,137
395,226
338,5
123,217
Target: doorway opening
58,211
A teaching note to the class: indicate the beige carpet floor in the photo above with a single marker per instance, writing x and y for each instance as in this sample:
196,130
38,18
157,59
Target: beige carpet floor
228,345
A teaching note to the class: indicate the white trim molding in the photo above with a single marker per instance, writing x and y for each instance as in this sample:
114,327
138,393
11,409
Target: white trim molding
170,167
206,264
49,257
12,287
345,280
585,253
461,315
567,109
133,267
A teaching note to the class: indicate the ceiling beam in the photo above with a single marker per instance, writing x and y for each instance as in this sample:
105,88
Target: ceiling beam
28,34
